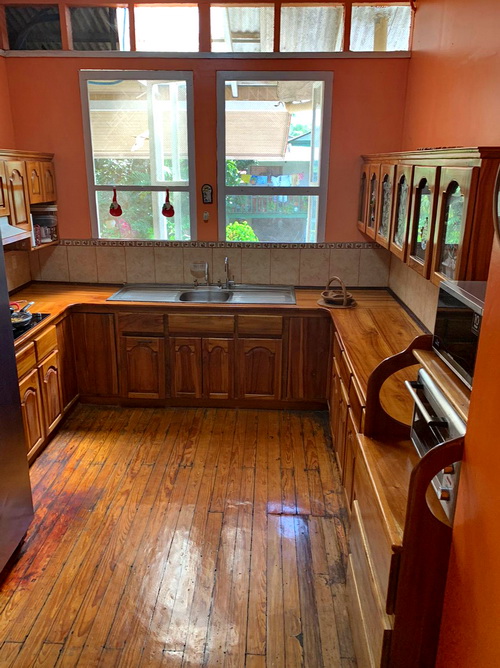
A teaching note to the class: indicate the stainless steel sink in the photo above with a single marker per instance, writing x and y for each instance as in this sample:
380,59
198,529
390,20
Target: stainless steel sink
219,296
203,294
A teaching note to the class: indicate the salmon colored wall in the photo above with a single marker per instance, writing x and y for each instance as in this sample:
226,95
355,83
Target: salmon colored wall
454,75
6,128
454,99
368,103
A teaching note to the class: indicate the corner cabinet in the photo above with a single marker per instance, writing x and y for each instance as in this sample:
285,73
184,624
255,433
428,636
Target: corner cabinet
432,209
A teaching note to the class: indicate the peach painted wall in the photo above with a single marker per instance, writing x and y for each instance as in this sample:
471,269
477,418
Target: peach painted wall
454,99
368,104
454,75
6,128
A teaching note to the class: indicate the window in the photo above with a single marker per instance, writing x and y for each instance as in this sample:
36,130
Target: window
33,27
241,28
141,129
313,28
100,28
380,28
273,146
167,28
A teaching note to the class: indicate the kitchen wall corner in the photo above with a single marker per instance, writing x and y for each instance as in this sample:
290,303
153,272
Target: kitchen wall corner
419,294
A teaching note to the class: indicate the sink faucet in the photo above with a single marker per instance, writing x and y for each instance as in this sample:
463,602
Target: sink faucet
229,283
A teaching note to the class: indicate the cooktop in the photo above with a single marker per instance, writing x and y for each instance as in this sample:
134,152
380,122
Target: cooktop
37,318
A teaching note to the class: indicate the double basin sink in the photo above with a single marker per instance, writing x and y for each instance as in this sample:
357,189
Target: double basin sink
207,294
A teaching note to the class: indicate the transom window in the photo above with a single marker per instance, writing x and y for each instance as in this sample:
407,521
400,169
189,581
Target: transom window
141,136
273,147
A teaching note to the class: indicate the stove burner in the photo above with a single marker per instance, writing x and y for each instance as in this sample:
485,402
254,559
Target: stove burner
35,320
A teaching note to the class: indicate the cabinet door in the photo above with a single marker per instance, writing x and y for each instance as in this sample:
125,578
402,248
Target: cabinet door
349,461
385,199
4,192
51,391
69,385
95,354
454,218
372,200
339,438
309,358
259,369
186,367
423,215
218,365
401,215
363,197
35,181
142,367
49,181
31,407
18,194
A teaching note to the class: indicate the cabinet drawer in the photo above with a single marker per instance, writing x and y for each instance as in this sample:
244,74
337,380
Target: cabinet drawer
377,537
337,347
46,343
260,325
364,657
357,405
376,621
25,360
200,324
141,323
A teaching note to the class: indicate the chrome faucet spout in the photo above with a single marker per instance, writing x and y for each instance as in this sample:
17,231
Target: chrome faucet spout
229,283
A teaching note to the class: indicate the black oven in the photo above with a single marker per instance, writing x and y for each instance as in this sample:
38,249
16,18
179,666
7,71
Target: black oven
458,323
435,421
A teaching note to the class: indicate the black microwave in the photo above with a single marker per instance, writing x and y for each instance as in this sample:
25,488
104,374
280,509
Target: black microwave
458,323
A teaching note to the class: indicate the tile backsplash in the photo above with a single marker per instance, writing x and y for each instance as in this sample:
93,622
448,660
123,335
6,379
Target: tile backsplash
364,266
419,294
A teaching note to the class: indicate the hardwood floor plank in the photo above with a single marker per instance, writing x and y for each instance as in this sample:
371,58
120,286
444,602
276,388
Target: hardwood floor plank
294,654
286,446
330,648
274,503
226,446
8,653
301,481
310,450
316,493
255,661
275,612
250,448
48,656
288,495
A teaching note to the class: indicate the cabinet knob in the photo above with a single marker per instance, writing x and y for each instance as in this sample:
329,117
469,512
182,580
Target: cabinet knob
444,494
449,469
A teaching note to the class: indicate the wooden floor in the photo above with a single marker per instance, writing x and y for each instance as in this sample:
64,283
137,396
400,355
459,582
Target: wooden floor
181,537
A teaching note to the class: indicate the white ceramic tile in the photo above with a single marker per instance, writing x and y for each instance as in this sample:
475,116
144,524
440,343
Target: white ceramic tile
82,264
17,269
234,257
285,264
256,265
34,260
314,267
197,255
140,263
169,265
374,268
398,278
111,267
344,263
53,263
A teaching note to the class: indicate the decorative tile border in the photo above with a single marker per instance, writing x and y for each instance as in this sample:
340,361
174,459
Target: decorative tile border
214,244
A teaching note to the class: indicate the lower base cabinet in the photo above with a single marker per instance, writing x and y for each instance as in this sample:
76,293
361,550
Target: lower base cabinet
259,369
31,407
142,367
51,391
202,367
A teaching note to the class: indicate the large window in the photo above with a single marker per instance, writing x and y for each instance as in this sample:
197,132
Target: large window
273,146
141,129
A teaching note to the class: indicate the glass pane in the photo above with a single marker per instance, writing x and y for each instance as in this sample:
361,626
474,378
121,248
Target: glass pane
372,204
279,218
33,28
139,132
142,217
423,208
313,29
166,28
402,212
380,28
273,133
242,29
100,28
361,203
452,230
385,213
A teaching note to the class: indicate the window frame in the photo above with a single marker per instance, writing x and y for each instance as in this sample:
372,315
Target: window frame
321,191
93,189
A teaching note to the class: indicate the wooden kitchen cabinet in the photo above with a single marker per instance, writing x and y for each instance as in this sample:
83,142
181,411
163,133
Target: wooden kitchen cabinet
142,367
34,177
187,373
95,354
422,219
363,197
218,368
202,368
309,345
401,211
259,368
349,460
49,181
18,194
31,408
51,391
385,204
372,203
69,384
4,192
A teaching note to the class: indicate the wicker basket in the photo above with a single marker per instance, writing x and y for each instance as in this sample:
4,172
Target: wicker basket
337,296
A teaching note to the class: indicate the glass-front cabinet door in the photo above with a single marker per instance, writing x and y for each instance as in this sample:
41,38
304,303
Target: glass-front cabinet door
401,211
385,199
363,192
423,212
373,201
454,220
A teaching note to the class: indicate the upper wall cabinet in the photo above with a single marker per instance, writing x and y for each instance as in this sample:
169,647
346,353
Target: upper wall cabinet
432,209
4,192
18,194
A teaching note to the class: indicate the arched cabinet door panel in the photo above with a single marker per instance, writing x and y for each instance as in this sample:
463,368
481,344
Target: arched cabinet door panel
35,181
218,368
186,367
259,369
18,194
51,391
4,192
142,367
31,407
